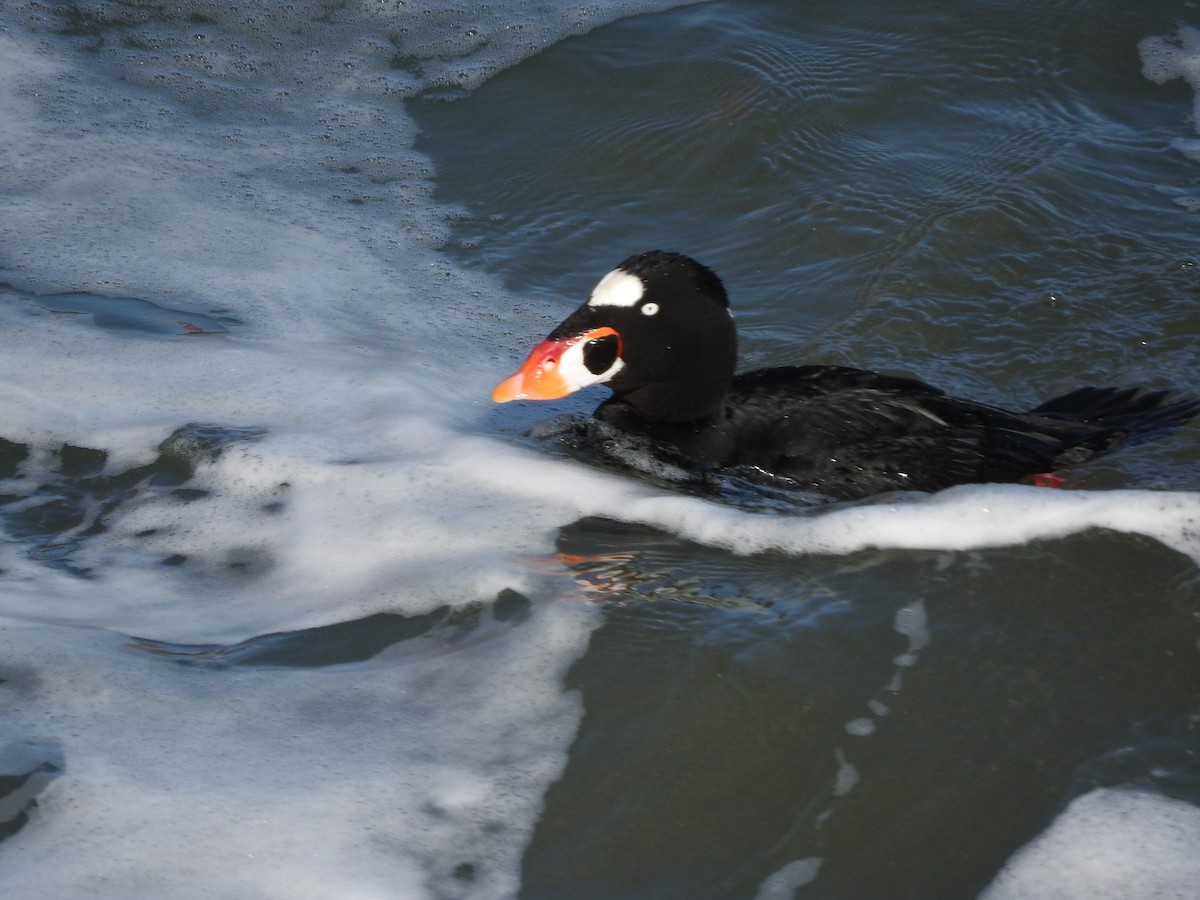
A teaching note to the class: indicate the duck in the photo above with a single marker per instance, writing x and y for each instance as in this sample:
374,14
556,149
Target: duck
658,332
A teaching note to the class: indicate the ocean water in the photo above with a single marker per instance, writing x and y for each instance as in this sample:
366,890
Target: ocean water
290,609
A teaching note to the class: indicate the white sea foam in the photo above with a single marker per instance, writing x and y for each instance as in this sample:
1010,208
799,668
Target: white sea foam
1109,845
376,781
205,162
784,883
1167,58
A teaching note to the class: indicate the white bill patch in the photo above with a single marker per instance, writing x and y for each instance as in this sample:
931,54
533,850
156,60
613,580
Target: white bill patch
617,288
577,376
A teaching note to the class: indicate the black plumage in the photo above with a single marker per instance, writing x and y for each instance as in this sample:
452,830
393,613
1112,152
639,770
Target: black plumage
668,355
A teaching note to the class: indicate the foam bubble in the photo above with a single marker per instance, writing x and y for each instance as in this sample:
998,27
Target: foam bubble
1167,58
961,518
1164,59
1110,844
784,883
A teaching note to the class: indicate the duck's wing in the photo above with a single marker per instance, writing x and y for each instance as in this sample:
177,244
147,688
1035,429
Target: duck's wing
851,433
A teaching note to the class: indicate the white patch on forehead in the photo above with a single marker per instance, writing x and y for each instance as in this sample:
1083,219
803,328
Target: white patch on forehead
617,288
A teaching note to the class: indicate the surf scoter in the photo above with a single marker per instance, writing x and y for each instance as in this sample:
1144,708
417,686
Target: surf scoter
658,332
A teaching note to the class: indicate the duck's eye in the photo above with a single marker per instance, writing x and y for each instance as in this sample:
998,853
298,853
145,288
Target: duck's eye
600,353
649,309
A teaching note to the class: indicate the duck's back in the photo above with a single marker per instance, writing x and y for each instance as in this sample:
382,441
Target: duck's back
850,433
657,331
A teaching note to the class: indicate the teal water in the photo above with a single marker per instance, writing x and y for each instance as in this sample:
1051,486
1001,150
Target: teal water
289,609
989,198
986,197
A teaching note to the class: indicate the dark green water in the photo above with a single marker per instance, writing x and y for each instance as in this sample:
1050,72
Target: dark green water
723,696
985,195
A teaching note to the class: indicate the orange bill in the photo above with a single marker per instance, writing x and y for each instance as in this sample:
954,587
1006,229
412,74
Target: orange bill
545,375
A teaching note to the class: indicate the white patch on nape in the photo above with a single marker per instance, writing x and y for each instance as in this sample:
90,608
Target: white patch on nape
617,288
